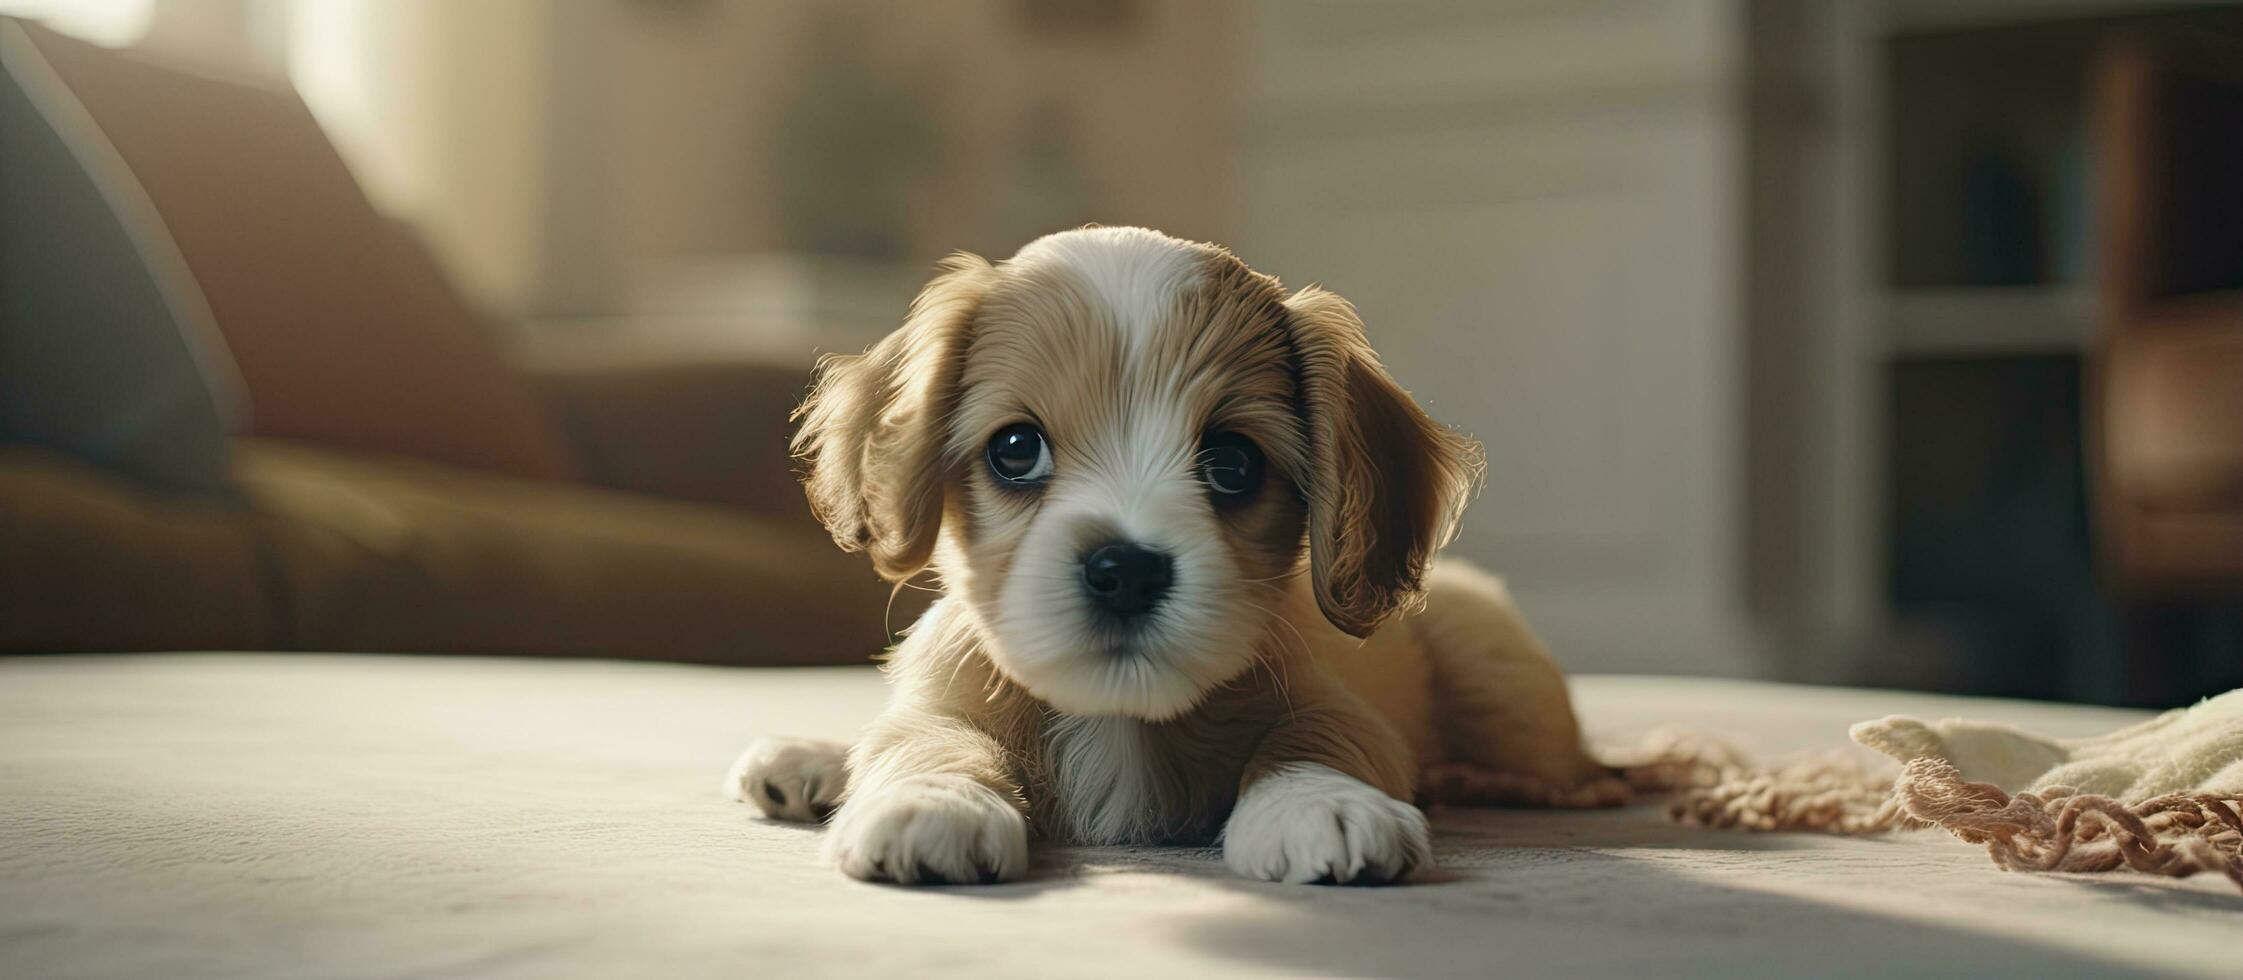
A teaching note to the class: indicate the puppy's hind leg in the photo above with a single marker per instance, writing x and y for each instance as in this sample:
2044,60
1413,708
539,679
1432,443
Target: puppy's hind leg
1508,732
795,779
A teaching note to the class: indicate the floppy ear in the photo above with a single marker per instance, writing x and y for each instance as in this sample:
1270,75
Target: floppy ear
1387,484
871,438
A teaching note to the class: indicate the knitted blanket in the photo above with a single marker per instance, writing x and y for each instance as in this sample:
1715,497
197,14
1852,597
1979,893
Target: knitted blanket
2162,797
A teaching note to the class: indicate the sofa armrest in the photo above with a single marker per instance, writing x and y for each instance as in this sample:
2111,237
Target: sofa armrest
707,431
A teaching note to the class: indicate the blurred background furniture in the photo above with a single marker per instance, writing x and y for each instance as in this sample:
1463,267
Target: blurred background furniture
1932,241
2167,420
396,484
2170,361
1779,318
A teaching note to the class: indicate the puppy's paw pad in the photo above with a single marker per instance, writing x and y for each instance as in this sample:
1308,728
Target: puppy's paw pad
930,830
1311,824
795,779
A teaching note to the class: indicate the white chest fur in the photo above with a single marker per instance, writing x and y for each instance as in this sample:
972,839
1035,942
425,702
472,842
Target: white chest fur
1107,781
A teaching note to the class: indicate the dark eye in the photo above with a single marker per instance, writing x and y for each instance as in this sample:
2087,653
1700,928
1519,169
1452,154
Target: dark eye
1231,464
1018,454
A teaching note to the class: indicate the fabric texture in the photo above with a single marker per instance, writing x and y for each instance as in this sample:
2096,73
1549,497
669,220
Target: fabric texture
2185,750
345,329
346,816
2062,829
107,351
2162,797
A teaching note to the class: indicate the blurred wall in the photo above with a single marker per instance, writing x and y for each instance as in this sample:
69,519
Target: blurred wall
986,123
440,107
564,154
1536,207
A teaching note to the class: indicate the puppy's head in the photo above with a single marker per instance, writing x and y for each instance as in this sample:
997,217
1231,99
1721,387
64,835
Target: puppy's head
1126,447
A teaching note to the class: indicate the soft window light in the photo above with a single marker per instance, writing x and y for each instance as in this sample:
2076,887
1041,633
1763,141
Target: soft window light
114,23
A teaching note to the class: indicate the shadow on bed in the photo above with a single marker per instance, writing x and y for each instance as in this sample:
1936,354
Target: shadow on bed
1542,892
1464,841
1588,913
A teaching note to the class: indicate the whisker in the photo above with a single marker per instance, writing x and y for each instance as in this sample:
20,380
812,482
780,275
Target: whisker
1306,650
958,665
1281,677
1285,683
888,612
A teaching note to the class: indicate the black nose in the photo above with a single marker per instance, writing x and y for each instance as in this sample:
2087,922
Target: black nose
1125,579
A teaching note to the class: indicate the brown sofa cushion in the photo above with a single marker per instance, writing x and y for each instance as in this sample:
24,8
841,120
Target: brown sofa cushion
713,431
345,330
349,552
89,561
381,554
2175,424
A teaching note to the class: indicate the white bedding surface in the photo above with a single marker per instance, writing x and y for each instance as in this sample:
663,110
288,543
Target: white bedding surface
293,816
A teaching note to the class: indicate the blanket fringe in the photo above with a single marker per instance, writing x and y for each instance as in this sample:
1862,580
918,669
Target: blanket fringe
1714,785
2060,829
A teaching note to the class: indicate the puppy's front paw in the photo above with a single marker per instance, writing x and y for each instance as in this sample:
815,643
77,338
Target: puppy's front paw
790,778
930,830
1308,823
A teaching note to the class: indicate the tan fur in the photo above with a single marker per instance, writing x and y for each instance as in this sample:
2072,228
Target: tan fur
873,427
1363,490
1377,515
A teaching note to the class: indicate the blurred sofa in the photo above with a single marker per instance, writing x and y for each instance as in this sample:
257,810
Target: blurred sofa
2167,416
393,482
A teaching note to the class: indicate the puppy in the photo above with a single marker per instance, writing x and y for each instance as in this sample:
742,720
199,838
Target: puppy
1184,521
